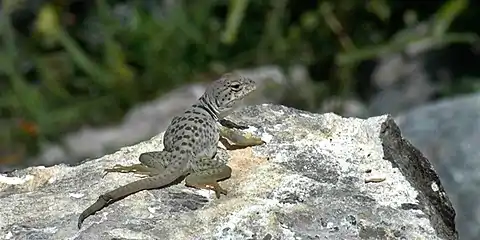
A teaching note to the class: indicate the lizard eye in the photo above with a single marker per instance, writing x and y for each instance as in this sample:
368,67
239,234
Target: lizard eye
235,87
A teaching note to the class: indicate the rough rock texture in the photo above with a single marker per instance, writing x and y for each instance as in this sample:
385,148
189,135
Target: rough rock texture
307,182
448,133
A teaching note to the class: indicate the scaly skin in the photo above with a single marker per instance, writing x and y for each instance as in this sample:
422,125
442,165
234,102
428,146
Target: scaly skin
190,145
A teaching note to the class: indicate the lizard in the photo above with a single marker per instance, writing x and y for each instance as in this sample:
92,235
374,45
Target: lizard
190,145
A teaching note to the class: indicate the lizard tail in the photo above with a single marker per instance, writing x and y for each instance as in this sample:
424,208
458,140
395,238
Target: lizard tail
99,204
157,181
153,182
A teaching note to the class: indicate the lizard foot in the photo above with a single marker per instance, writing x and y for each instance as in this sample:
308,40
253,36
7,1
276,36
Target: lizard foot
211,186
217,189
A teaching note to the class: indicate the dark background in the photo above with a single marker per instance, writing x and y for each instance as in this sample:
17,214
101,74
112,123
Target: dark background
66,64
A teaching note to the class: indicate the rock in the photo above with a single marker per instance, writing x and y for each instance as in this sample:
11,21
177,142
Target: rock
448,133
320,176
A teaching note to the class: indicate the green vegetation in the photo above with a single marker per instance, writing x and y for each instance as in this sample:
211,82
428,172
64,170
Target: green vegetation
68,69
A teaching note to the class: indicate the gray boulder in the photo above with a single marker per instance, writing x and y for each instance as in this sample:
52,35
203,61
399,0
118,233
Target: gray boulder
320,176
448,133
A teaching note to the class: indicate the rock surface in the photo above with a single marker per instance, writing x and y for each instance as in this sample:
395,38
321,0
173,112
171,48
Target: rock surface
310,181
448,133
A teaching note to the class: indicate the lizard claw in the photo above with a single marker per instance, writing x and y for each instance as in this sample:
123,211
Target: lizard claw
109,170
217,189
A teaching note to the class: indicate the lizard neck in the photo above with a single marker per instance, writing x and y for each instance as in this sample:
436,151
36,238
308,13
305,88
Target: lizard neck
205,105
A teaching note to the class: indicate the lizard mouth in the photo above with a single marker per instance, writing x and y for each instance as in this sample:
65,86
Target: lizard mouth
251,90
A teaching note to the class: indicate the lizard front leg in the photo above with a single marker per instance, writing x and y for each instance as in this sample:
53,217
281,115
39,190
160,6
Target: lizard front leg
229,124
238,138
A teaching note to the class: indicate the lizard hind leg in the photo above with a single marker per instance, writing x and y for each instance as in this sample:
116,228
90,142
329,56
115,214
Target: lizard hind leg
208,179
157,159
151,164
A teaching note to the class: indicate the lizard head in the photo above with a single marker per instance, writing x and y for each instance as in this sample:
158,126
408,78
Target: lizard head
225,94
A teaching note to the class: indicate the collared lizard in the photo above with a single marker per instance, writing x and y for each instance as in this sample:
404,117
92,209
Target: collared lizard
190,145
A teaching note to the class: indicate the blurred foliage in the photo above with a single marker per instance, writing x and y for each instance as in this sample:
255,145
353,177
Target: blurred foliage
87,62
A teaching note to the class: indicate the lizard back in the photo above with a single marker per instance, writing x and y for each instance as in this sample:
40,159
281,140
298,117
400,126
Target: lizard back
196,131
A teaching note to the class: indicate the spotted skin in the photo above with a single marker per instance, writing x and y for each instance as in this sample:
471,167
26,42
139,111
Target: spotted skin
190,145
